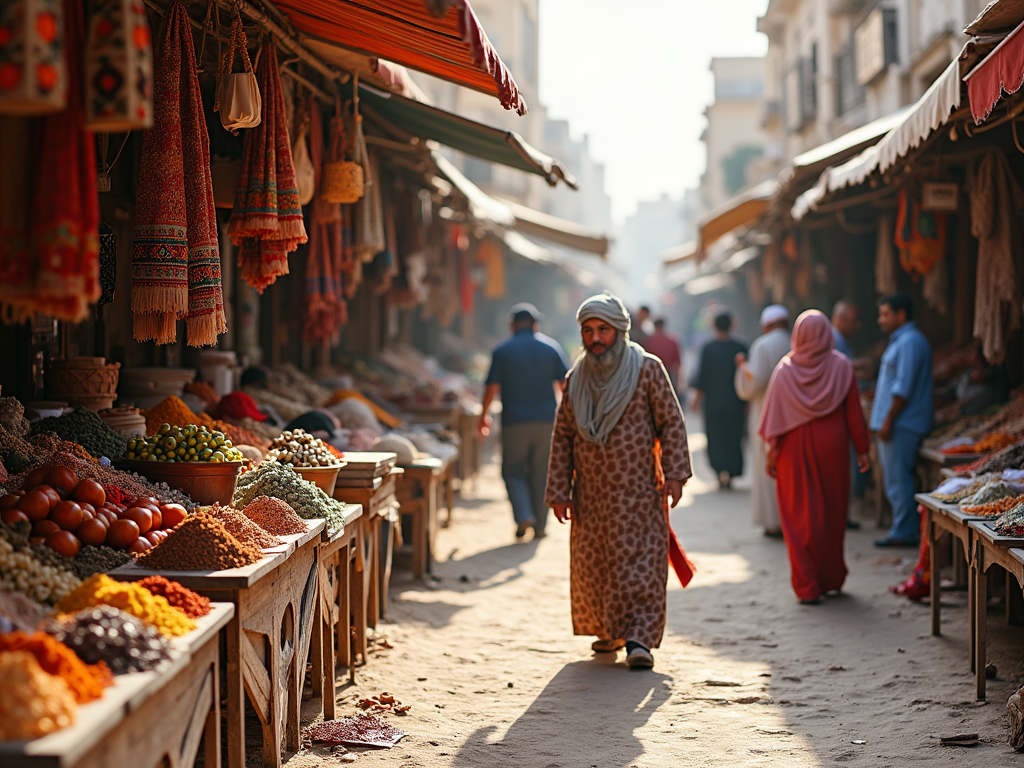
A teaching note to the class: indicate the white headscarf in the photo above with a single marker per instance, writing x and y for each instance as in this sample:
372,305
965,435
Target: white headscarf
601,387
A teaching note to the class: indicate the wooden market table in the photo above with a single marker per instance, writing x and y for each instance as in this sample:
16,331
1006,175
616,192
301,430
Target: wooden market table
932,462
370,480
419,492
991,549
333,615
146,719
268,639
946,519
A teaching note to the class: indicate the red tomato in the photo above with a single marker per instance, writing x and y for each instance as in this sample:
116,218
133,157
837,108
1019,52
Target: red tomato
44,528
158,519
13,516
64,543
122,533
142,517
36,477
87,509
62,478
36,505
36,539
92,532
51,493
139,546
145,502
89,491
68,515
172,515
106,516
153,537
10,501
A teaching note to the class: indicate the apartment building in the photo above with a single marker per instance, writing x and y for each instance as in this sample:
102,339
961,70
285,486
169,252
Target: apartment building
834,65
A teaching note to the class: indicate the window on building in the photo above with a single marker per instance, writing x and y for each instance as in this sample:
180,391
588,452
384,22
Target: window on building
850,94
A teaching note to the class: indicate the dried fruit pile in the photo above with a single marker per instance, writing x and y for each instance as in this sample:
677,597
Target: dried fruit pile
298,448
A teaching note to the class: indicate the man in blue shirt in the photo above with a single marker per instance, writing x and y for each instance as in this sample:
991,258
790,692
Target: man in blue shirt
525,370
902,415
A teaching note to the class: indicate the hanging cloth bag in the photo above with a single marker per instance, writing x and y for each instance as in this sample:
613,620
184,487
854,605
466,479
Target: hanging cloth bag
238,95
305,174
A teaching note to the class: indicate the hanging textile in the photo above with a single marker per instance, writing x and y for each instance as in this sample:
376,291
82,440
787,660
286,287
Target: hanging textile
176,262
267,220
885,257
55,269
490,256
326,310
935,287
996,200
369,215
920,235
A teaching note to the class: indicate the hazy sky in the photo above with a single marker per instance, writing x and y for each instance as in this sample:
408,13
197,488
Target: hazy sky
634,75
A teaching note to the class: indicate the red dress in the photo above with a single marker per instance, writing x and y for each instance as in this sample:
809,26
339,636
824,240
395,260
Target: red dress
813,490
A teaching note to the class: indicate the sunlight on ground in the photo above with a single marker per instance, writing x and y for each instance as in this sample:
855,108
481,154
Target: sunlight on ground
715,569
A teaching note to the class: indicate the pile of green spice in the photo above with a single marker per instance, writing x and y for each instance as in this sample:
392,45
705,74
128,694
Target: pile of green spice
281,482
84,427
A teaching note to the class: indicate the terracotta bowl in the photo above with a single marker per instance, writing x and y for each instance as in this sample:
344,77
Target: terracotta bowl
204,483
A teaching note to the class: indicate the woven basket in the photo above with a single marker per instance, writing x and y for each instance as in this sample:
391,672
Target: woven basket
342,182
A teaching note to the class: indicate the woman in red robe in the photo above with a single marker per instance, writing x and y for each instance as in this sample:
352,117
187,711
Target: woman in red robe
811,413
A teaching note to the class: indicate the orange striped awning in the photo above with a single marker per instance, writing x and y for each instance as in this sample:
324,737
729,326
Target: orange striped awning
443,38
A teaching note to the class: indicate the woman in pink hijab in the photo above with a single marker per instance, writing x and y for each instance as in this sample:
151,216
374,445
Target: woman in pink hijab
811,413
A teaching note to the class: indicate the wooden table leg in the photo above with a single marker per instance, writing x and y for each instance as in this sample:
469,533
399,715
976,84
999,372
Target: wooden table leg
235,694
358,590
420,521
980,619
972,613
211,731
936,591
387,550
372,573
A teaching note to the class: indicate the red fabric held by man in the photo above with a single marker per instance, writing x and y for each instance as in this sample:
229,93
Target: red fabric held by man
812,411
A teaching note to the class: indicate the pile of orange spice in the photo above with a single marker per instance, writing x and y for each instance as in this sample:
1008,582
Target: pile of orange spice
992,508
86,681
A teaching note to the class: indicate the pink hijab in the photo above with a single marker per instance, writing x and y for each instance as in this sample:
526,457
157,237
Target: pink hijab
810,382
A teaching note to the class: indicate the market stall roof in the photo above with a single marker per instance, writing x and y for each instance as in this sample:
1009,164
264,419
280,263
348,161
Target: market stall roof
482,206
678,254
999,16
551,228
442,38
528,249
746,209
1001,71
930,112
492,144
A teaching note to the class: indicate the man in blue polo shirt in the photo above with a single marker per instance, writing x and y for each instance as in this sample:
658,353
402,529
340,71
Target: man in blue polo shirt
902,414
525,370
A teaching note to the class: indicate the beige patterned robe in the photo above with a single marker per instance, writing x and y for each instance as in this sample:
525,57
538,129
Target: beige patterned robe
619,542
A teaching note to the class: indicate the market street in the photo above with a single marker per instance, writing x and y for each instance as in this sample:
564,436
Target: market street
745,676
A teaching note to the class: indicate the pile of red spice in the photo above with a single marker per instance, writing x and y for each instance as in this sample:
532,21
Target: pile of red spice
190,603
275,516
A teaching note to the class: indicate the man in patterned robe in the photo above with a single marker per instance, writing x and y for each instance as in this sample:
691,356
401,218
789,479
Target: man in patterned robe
605,476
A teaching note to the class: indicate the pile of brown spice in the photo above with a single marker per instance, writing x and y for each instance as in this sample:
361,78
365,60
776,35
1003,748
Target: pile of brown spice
182,598
242,528
274,515
199,543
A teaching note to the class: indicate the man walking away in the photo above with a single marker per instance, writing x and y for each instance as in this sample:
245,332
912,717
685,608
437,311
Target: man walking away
605,477
751,382
723,409
637,332
902,414
525,370
665,348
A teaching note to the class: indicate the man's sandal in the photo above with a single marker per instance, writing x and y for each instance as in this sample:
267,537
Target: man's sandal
607,646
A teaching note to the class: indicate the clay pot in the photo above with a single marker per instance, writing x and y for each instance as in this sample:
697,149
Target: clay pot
86,382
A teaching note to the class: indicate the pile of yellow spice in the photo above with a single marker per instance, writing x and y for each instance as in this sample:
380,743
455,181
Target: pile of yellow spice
130,598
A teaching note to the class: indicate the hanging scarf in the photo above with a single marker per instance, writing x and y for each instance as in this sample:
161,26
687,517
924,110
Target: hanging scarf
49,253
176,263
369,216
325,310
601,387
267,219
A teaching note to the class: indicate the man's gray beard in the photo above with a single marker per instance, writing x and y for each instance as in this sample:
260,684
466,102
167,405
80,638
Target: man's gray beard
602,367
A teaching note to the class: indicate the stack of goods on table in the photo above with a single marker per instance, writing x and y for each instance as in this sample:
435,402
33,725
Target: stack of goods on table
65,654
987,494
984,433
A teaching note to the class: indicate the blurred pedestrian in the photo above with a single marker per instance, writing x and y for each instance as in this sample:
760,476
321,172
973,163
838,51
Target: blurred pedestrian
751,382
525,370
606,477
665,348
638,329
845,323
902,414
724,412
811,413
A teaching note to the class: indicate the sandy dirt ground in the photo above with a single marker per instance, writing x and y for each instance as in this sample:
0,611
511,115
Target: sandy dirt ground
745,676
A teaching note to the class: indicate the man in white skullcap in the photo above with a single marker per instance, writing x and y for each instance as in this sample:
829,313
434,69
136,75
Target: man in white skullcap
618,457
752,377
